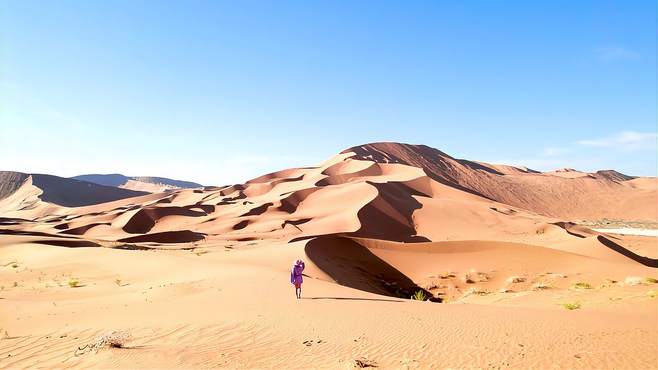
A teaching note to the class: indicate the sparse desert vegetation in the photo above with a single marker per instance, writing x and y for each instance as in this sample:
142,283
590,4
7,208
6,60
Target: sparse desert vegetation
419,296
581,285
608,283
542,286
515,279
619,224
571,306
74,283
633,280
476,291
432,286
473,277
113,339
363,362
447,275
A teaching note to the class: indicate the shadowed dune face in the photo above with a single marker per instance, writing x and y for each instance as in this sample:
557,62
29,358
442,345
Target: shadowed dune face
183,236
646,261
389,216
144,219
74,193
10,182
57,190
351,264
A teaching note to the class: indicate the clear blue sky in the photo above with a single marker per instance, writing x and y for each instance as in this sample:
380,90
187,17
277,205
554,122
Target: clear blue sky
219,92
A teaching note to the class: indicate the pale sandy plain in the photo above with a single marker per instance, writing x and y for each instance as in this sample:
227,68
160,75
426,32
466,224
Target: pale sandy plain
198,278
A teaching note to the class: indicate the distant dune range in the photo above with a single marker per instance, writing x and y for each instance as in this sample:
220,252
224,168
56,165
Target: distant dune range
381,219
386,191
37,191
139,183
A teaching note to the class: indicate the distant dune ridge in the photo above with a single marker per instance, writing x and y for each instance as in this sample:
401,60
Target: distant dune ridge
139,183
376,224
57,190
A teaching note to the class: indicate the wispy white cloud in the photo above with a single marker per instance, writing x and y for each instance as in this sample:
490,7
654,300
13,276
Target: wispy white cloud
613,53
626,140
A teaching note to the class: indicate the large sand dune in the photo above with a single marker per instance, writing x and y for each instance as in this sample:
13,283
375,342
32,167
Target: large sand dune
206,268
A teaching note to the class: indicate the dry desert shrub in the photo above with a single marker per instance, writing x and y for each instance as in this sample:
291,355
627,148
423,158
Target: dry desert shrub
74,283
475,277
571,306
651,280
431,286
633,280
541,286
515,279
363,362
475,291
557,275
468,279
581,285
113,339
652,293
607,283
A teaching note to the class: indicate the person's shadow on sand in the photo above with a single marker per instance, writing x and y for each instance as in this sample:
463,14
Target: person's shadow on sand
356,299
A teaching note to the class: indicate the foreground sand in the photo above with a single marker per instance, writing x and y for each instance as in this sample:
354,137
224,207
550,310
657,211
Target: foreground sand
233,307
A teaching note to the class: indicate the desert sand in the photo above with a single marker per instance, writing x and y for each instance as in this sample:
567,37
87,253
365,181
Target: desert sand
194,278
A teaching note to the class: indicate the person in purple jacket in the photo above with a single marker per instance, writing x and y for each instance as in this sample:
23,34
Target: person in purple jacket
296,277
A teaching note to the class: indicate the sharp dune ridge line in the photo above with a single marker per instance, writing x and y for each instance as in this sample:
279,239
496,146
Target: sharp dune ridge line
198,277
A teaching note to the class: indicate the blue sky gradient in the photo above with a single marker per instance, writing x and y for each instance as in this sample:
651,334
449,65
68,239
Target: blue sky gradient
219,92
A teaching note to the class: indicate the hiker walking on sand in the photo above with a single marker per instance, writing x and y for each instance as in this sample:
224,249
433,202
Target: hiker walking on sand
296,277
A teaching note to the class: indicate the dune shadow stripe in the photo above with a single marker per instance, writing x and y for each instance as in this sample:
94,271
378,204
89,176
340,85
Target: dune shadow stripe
355,299
646,261
69,243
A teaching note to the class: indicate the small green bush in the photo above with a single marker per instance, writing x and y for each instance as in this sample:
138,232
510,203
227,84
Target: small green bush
419,296
571,306
74,283
580,285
